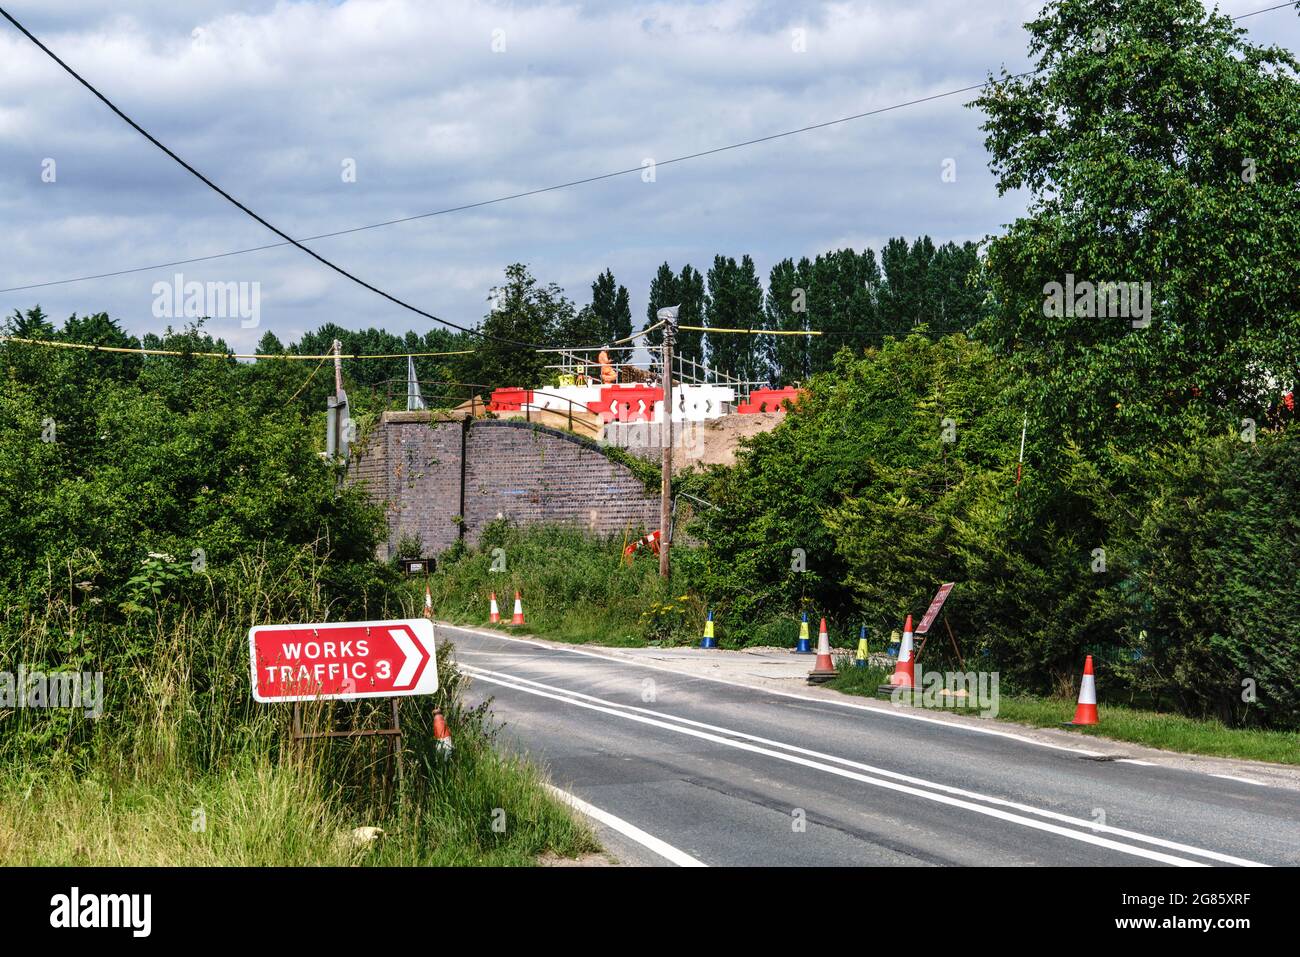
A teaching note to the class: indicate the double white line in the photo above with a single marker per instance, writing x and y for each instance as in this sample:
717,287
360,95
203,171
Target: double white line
1077,829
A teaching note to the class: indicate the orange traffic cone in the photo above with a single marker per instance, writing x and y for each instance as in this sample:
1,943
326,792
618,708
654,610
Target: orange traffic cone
905,670
1086,711
494,613
518,619
441,734
428,602
824,667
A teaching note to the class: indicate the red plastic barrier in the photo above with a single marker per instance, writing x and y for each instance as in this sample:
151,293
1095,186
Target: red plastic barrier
769,400
510,400
626,403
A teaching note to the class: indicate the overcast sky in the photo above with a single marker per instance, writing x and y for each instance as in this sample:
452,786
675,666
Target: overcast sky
272,100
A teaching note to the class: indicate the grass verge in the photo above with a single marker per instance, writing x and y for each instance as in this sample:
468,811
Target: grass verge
575,588
1167,732
183,768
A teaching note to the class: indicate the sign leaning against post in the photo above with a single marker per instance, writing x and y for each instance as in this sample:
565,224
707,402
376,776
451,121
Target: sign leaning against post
933,612
344,661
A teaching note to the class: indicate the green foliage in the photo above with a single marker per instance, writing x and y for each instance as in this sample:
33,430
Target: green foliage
846,295
735,301
1180,584
195,458
575,587
525,311
610,307
859,486
1210,591
1148,140
674,621
145,587
685,289
153,509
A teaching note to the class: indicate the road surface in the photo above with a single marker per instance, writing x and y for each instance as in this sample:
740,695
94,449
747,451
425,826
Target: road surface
693,771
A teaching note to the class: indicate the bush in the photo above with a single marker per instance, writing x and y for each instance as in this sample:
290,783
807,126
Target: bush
1209,590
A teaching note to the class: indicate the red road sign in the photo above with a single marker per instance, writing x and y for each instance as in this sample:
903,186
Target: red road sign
342,660
936,606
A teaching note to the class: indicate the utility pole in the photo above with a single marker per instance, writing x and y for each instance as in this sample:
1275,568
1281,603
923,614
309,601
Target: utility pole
338,420
669,317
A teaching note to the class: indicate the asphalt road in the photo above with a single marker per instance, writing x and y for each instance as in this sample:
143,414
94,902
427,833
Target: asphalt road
722,774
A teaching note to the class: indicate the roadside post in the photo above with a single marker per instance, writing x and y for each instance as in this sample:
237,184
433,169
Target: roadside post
668,315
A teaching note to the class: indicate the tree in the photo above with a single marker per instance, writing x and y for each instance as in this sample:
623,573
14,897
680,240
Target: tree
686,290
957,297
735,301
583,328
270,345
663,292
609,306
1149,140
32,324
524,311
843,287
692,298
786,306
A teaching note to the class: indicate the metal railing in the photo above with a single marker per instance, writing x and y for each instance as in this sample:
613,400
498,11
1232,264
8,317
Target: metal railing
478,397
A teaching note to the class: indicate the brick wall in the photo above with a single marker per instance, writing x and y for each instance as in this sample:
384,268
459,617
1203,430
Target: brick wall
529,474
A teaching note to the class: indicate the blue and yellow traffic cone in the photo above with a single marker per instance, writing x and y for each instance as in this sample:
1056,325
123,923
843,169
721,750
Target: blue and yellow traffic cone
861,660
805,646
708,641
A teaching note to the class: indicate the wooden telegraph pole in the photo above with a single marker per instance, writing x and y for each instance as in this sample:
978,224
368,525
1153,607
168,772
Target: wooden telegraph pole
669,317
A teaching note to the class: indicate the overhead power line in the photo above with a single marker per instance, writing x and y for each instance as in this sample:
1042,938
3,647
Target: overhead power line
244,209
511,196
291,356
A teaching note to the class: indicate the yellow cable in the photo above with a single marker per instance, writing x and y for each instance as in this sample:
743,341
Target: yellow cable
223,355
755,332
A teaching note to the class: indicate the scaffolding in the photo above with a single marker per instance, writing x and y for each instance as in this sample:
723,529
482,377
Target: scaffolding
583,366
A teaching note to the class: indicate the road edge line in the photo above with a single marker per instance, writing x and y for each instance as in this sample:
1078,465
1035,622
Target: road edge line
627,829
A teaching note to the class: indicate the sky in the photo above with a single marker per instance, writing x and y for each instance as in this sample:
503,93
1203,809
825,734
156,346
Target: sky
326,116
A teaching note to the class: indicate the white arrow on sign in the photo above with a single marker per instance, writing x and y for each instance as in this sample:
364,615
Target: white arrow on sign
413,657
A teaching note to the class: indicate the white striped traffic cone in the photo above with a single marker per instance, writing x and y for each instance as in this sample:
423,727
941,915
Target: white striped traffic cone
905,670
1085,713
494,613
824,667
428,602
518,618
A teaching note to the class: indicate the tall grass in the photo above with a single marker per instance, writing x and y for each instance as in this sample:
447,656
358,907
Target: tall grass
575,587
184,768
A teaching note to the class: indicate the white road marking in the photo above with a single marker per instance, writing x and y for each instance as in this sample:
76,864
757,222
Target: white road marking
662,848
1233,777
889,712
895,775
855,776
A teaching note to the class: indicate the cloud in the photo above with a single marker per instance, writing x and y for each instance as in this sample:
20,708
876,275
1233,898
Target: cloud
271,100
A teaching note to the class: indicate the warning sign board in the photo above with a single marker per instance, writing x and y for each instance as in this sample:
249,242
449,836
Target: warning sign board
342,660
936,606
